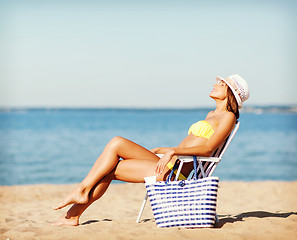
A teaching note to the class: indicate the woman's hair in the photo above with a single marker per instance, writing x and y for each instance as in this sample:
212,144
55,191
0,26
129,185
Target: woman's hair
232,105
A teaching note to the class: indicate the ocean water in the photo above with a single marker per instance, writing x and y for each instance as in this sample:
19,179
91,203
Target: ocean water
60,145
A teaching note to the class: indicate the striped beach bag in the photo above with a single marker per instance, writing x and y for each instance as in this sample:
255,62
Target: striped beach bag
186,203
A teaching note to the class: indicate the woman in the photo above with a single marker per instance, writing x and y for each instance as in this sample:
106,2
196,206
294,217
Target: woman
203,138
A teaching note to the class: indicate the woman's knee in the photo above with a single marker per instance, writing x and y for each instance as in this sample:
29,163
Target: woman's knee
116,142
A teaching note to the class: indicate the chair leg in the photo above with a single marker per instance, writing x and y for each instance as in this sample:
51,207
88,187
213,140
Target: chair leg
142,208
217,219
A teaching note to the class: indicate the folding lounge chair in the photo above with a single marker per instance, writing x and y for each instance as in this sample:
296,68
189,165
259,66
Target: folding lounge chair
206,165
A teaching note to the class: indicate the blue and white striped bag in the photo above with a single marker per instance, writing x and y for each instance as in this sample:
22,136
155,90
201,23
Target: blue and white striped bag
186,203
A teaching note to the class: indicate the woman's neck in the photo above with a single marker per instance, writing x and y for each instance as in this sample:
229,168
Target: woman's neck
221,106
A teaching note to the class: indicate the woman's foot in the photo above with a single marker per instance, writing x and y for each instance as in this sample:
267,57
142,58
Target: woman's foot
66,220
79,196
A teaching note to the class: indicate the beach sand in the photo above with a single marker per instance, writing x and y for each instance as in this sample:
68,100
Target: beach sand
246,210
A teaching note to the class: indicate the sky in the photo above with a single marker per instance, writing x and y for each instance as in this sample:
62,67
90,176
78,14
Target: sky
157,53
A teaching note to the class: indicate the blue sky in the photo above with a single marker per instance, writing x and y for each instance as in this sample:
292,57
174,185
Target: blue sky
144,53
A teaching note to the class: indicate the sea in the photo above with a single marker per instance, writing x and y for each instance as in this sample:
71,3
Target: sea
59,146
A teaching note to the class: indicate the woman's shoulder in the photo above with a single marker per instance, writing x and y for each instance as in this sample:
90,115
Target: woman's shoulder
223,119
229,115
223,115
227,119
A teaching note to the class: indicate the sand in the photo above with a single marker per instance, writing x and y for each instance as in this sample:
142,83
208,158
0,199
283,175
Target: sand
246,210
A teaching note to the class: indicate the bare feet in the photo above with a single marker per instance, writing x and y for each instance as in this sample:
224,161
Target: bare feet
66,220
79,196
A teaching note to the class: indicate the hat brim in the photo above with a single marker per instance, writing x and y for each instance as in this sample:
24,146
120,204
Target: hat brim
236,95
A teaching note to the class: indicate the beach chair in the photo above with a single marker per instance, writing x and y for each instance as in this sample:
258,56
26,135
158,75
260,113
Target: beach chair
206,165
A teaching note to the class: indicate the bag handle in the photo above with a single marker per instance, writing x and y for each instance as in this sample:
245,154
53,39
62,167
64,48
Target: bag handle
176,166
172,171
195,167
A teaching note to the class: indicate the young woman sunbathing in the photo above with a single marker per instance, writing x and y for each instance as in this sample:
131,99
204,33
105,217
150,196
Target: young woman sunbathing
127,161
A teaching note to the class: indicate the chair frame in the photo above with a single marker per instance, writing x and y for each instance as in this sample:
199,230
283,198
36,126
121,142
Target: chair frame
206,170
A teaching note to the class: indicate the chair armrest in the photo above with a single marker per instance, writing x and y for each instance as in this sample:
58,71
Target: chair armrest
189,158
209,159
204,159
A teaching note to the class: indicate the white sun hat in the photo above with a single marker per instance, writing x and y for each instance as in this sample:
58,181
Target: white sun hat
238,86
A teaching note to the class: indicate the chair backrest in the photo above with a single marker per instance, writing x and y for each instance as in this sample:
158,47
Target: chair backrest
222,149
209,167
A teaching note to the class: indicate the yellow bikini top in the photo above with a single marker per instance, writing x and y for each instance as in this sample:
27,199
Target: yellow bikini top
201,129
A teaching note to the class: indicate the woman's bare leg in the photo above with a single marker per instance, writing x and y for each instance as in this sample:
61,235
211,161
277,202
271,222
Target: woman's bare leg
106,162
72,216
127,170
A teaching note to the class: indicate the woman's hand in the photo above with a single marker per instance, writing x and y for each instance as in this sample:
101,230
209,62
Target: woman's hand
163,161
155,150
161,150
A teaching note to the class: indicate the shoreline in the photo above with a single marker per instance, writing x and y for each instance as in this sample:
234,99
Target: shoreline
246,210
117,182
123,183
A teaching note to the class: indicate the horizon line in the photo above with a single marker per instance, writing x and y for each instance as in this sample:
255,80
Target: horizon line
248,107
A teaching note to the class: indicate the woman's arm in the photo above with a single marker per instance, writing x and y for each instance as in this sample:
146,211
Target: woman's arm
161,150
222,131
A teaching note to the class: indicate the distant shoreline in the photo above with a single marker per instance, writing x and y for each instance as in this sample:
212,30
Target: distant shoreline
257,109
